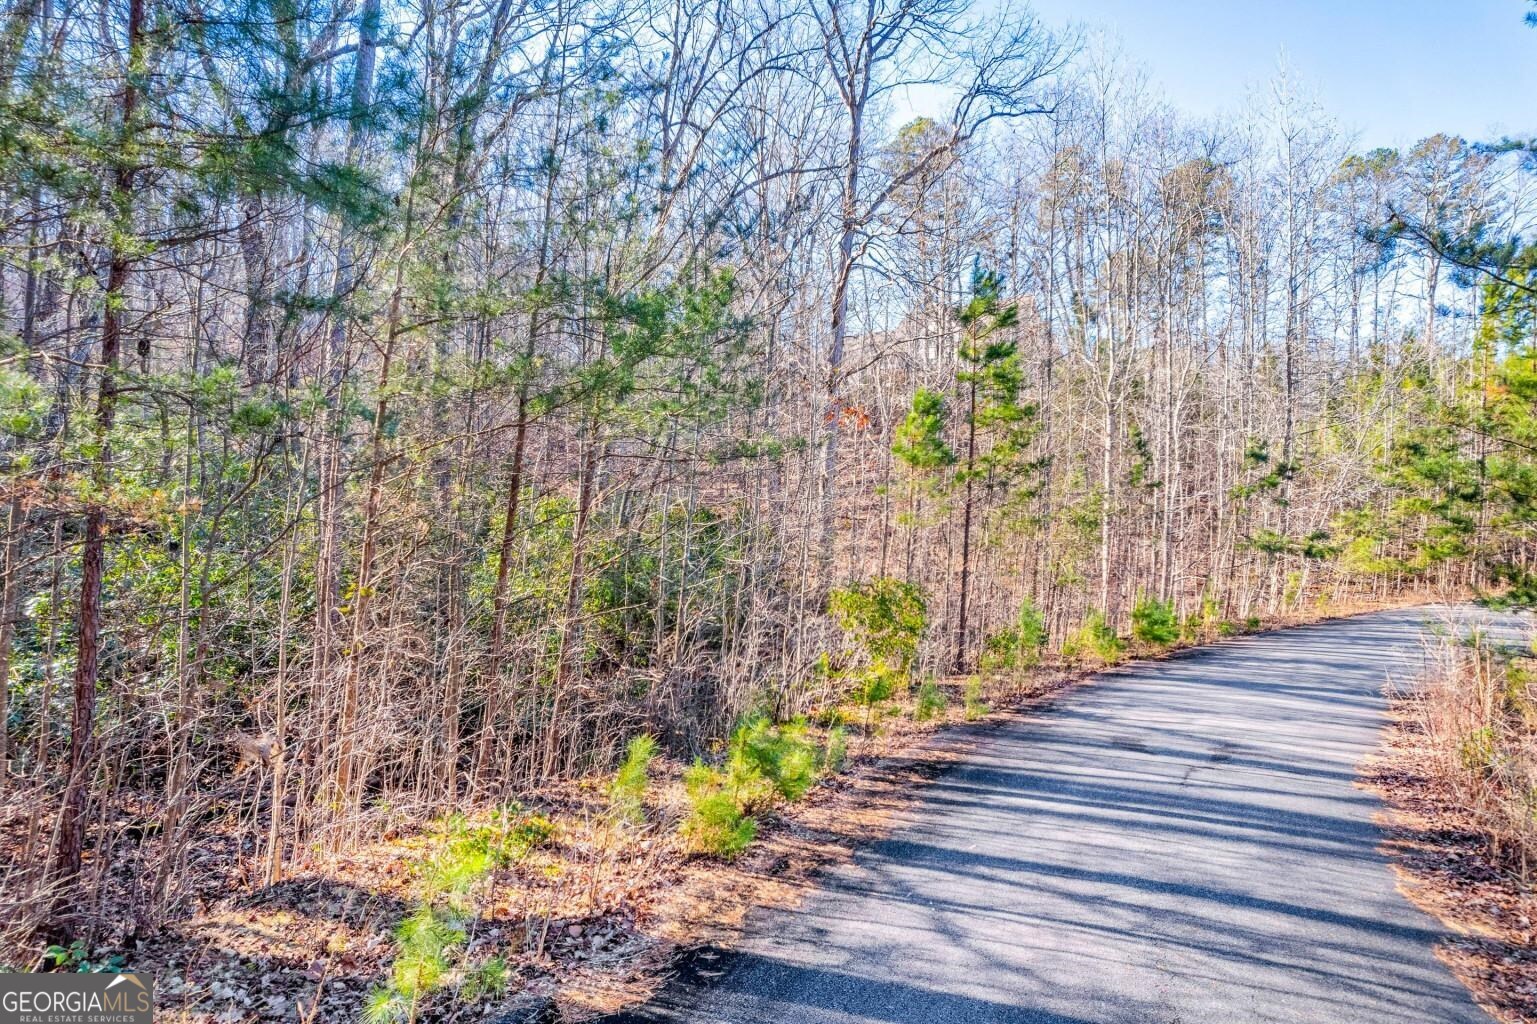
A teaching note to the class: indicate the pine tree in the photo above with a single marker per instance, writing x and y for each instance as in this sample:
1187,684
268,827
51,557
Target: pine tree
998,425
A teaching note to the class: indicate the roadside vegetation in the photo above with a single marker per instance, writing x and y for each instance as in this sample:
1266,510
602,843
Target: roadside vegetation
1459,772
1476,712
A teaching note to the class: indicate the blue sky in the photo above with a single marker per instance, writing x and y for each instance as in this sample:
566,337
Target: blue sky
1392,70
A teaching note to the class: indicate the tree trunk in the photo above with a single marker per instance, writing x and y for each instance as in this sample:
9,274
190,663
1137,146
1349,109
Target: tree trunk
965,587
71,828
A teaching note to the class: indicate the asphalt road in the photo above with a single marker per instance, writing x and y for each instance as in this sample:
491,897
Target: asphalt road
1179,842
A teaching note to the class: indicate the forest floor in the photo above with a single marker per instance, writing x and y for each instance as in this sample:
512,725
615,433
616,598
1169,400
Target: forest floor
1448,865
590,921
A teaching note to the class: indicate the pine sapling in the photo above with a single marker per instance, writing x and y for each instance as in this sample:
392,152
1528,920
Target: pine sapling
931,702
975,707
627,793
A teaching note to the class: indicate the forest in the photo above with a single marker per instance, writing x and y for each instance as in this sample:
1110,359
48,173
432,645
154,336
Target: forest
405,406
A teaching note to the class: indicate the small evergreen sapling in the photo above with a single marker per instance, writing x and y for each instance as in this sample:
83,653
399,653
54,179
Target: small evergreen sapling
715,823
627,793
884,619
785,755
931,702
876,686
1153,622
428,941
764,762
1017,648
1094,642
837,750
976,707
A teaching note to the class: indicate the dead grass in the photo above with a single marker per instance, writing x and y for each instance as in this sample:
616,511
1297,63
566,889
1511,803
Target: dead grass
1457,771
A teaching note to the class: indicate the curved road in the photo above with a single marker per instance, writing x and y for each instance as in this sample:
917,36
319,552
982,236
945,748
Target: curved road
1178,843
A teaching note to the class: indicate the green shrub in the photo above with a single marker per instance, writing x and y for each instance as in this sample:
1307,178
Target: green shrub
836,751
1019,647
975,707
931,702
1251,623
76,958
384,1005
1154,622
764,761
700,778
627,793
833,717
1202,623
884,619
1033,634
1000,652
1227,628
715,824
1520,682
1205,621
750,788
1293,588
455,871
877,684
528,833
425,942
786,755
1479,751
467,853
1094,641
487,979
